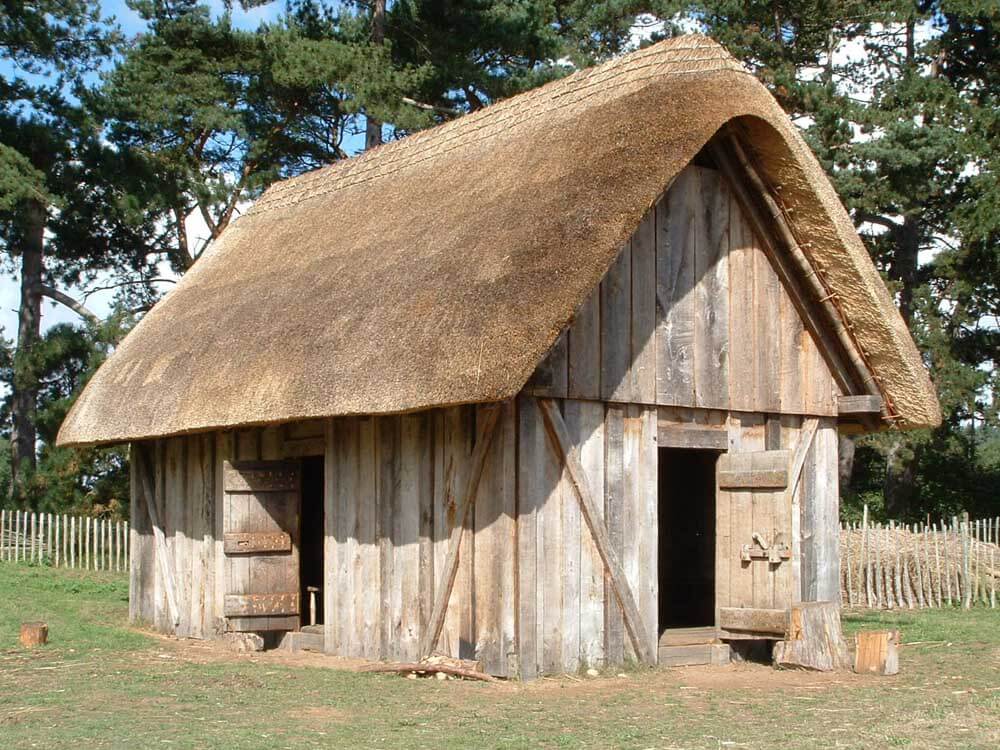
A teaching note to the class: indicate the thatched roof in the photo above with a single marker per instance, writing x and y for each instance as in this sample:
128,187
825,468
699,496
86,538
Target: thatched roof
440,269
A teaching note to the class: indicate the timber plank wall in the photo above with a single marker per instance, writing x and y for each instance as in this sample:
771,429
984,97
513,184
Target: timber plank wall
692,314
691,327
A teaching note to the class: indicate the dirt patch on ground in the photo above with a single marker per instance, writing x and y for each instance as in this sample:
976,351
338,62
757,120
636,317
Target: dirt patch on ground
748,675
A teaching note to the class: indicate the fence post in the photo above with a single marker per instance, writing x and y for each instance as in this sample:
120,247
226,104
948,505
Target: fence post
864,557
3,534
966,566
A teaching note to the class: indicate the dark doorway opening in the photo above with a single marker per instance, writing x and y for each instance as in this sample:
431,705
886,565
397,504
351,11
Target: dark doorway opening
686,538
311,538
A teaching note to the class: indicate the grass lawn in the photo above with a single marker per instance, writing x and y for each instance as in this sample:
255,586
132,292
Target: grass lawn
101,684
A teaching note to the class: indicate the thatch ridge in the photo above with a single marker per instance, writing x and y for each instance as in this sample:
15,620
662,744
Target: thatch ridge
439,269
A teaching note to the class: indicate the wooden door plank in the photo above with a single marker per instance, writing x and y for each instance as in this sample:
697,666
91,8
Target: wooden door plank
567,453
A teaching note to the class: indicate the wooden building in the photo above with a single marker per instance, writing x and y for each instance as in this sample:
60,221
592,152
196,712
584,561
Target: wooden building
556,384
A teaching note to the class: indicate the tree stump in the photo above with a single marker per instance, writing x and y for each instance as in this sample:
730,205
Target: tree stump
876,652
815,640
34,634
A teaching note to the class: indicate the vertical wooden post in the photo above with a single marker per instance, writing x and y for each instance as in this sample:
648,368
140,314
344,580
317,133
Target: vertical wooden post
31,533
3,534
939,591
966,566
847,561
864,557
896,575
916,562
87,556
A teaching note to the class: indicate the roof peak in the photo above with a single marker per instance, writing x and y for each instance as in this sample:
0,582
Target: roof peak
682,55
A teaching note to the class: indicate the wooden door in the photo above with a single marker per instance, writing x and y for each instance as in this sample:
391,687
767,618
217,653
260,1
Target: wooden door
754,531
262,500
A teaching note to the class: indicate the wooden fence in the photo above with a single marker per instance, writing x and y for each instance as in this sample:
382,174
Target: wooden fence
947,563
63,541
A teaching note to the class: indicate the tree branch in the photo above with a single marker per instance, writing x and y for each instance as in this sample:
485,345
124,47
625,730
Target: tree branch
64,299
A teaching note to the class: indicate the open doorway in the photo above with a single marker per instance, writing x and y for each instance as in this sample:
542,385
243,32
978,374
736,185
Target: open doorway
686,487
311,539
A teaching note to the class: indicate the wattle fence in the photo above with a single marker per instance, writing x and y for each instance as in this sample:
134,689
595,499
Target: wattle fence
948,563
63,541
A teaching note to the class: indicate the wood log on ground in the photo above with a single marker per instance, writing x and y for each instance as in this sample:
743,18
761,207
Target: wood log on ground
34,634
815,640
427,668
876,652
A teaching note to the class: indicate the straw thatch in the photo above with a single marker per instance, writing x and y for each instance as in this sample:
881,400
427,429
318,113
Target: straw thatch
441,268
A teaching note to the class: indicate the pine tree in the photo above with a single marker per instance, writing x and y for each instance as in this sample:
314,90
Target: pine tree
50,158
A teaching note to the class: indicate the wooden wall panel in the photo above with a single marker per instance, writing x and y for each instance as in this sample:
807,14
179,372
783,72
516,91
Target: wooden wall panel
691,314
182,476
142,551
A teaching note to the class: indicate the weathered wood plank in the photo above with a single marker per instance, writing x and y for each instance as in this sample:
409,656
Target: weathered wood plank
531,494
366,571
493,515
820,519
585,350
766,312
616,349
163,560
447,577
754,620
259,476
791,342
864,405
614,493
711,275
262,605
246,542
563,449
675,283
414,492
695,436
754,470
389,437
742,327
551,377
585,423
643,311
331,584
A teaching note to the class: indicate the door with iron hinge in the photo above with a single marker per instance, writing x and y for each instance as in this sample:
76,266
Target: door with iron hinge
262,501
754,530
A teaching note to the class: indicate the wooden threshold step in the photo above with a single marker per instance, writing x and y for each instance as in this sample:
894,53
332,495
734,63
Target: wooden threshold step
686,656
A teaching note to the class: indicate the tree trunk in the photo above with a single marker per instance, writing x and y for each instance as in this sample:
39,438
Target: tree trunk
846,461
373,127
900,486
24,396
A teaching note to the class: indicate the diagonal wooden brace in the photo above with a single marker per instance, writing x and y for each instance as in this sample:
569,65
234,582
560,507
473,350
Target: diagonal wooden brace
567,453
